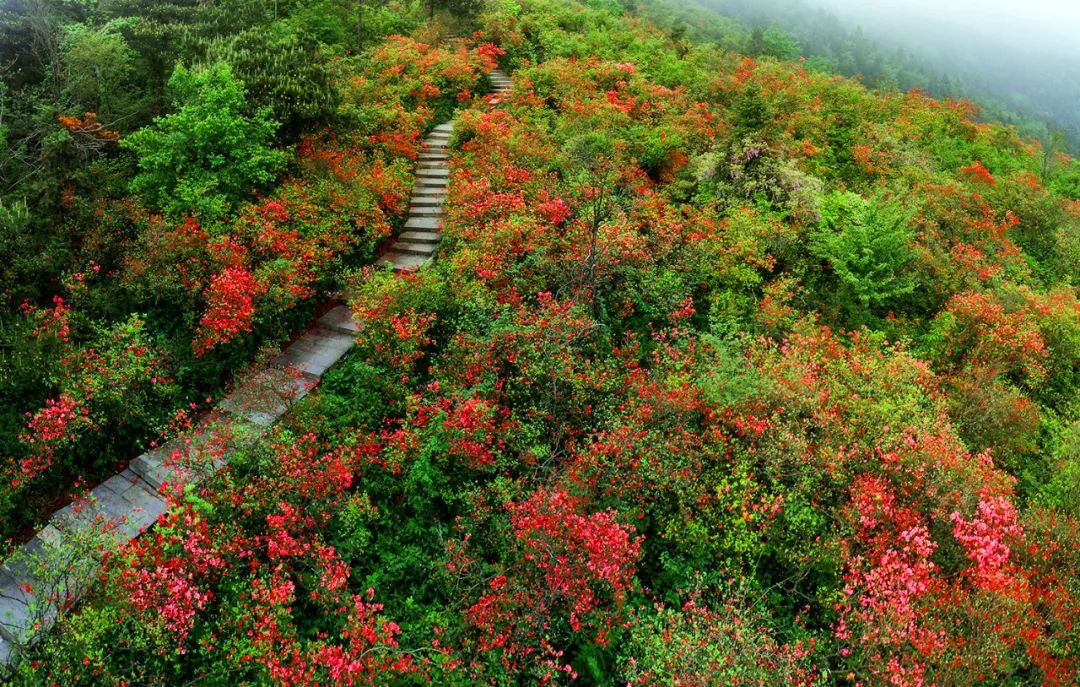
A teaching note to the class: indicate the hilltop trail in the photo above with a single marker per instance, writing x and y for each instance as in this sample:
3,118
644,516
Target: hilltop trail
423,230
71,546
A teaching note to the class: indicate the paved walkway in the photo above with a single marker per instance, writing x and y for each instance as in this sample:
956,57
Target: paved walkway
423,230
59,564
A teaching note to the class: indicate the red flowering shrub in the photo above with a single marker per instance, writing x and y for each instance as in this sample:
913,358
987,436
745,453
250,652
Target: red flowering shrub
230,308
563,567
979,173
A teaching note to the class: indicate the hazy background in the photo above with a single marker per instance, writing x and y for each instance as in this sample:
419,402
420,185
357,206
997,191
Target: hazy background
1019,60
1035,26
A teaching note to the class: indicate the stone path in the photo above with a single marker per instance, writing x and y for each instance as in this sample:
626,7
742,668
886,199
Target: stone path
55,568
423,230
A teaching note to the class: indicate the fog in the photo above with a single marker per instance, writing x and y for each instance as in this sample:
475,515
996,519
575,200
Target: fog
1017,59
1024,56
1037,27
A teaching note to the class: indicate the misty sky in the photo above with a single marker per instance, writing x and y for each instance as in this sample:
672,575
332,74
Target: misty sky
1051,26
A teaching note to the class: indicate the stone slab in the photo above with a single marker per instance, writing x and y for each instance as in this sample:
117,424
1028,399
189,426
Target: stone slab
157,467
51,551
340,319
425,211
431,183
41,575
16,616
409,247
436,201
145,506
103,512
402,261
420,236
433,172
167,463
263,397
315,352
428,223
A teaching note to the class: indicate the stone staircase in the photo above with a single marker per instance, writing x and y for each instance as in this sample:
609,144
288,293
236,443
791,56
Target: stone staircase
54,569
423,230
62,560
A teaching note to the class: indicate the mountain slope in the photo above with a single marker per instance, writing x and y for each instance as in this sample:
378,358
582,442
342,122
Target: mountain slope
726,372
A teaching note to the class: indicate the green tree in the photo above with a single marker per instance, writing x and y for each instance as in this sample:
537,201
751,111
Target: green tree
287,76
778,44
868,245
98,72
204,157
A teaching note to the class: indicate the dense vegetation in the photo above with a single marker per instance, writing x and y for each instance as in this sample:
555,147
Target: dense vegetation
181,181
1010,84
729,371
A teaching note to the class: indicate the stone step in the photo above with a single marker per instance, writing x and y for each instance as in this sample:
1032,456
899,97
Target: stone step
425,211
433,174
263,397
425,165
107,512
175,460
436,157
315,351
434,201
146,505
160,465
410,248
340,319
49,570
421,236
432,184
403,261
445,126
428,223
16,617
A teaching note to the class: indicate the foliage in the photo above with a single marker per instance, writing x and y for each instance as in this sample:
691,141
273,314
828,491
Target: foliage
868,245
206,156
286,78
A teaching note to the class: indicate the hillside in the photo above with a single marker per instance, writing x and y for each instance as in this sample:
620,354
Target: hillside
950,50
663,365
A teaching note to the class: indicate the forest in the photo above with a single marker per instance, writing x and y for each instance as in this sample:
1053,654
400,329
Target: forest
730,368
1031,85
